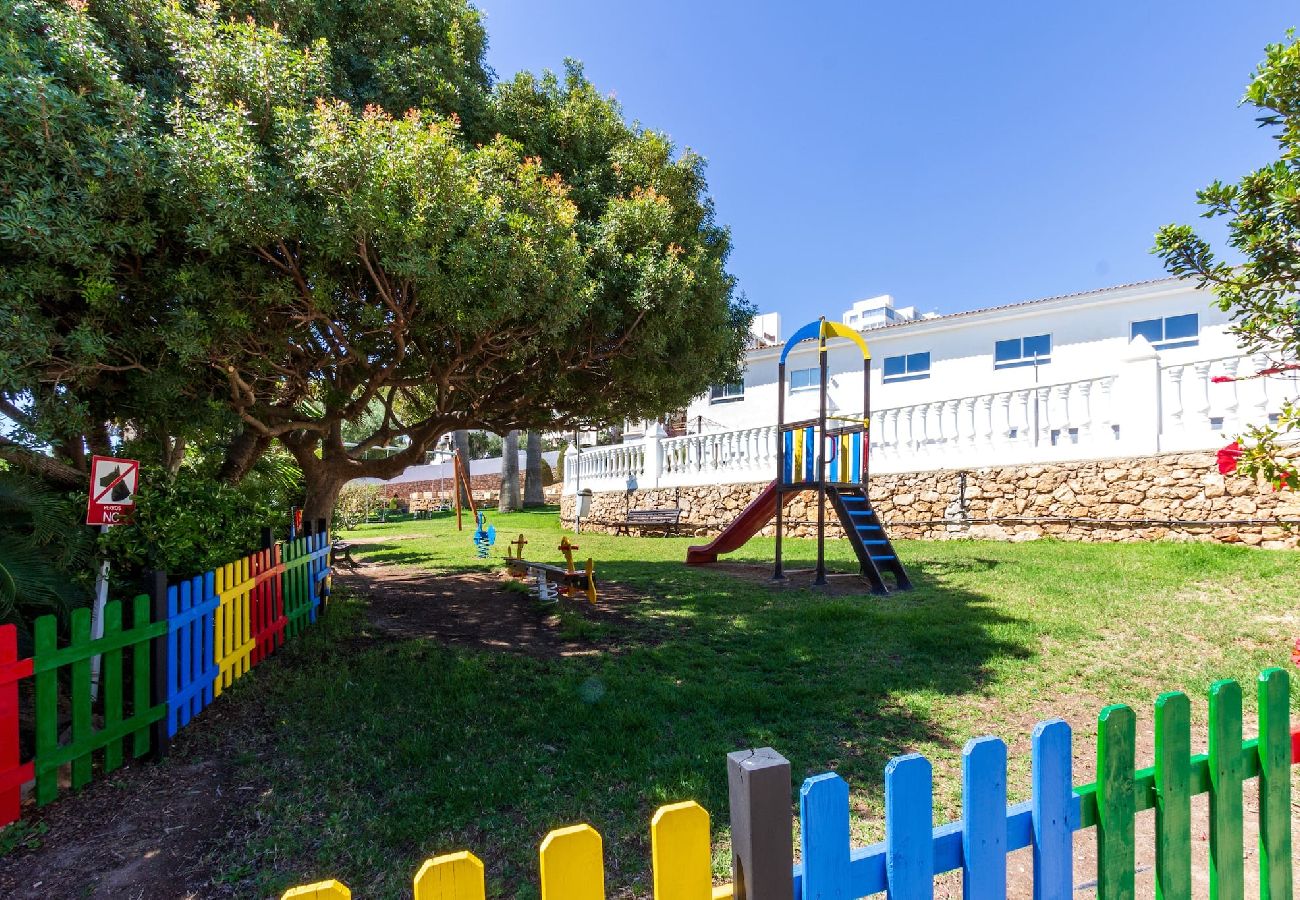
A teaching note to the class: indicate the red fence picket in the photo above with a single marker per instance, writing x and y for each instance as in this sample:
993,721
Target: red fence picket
13,772
266,603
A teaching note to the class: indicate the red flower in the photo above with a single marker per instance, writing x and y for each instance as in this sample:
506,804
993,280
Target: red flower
1228,457
1295,653
1222,379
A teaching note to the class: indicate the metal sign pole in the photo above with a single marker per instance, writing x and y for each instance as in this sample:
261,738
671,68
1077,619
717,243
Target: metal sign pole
97,619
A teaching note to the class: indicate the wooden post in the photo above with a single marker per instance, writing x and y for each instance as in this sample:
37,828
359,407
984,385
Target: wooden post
268,537
762,845
161,674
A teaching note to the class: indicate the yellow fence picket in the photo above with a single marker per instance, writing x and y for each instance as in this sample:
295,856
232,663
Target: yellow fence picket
234,642
321,890
573,865
455,876
681,853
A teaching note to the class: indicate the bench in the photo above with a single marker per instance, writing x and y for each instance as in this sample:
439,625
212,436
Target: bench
342,551
667,519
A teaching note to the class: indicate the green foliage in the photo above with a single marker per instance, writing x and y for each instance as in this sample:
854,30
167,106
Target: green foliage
315,219
1263,220
484,445
192,522
44,550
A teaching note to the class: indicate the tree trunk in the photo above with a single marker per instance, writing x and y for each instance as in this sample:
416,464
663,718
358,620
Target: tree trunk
509,500
323,489
173,454
242,454
533,495
46,468
460,441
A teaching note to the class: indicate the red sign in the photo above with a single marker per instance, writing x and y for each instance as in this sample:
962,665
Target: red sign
113,483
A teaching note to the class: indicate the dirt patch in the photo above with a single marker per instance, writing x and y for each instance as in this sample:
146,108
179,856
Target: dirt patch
150,830
837,584
490,611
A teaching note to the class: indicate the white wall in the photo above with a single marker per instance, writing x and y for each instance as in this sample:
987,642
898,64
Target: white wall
1090,335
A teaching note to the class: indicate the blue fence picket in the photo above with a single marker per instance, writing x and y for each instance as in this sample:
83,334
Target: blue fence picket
984,815
1053,807
824,838
909,826
191,664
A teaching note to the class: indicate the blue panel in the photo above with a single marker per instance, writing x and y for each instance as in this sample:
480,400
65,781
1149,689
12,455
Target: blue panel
810,332
809,454
1151,329
1003,351
1179,328
787,464
894,365
918,363
824,838
909,824
984,811
855,476
1039,344
1052,801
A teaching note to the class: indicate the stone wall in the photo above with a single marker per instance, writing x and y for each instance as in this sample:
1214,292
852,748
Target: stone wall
486,488
1178,496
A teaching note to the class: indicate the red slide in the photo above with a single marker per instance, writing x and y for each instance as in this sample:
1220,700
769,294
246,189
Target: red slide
747,524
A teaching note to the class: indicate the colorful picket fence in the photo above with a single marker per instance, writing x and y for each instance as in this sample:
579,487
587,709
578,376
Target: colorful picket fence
914,851
171,658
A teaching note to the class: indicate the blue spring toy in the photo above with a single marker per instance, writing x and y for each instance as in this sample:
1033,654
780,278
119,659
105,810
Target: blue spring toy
484,537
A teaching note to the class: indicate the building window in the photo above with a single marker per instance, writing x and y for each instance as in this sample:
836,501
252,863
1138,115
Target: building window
1169,333
805,379
725,393
912,367
1026,351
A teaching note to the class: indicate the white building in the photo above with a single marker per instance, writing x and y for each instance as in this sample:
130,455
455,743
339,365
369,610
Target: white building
1124,371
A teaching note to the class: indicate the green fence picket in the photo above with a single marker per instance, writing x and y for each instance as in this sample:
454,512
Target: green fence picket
45,685
1227,863
141,673
1116,804
81,718
1173,782
1274,749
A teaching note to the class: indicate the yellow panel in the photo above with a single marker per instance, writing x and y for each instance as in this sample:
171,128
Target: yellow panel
321,890
573,866
796,474
835,329
456,876
679,848
724,892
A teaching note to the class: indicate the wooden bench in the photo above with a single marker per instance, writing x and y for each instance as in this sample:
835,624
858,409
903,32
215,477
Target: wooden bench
667,519
341,551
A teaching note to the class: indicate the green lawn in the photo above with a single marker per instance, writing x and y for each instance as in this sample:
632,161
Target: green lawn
387,752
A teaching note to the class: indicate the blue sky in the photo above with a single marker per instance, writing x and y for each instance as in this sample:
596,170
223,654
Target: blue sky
955,155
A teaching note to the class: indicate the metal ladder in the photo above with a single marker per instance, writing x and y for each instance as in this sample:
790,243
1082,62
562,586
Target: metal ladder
876,555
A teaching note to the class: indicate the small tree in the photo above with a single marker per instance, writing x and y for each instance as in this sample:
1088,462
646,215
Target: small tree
356,501
1263,216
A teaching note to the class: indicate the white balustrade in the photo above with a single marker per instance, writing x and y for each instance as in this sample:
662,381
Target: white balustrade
1143,409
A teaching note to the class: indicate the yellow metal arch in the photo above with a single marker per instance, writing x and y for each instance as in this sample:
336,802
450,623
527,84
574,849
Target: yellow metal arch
835,329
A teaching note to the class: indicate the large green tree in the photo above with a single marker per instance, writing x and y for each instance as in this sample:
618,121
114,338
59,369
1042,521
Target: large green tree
344,214
1261,287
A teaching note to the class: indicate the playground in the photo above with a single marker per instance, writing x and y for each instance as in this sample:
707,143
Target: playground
434,720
